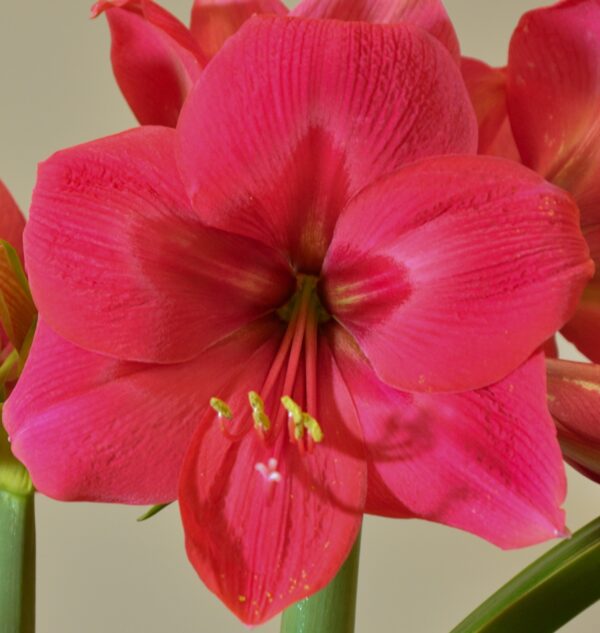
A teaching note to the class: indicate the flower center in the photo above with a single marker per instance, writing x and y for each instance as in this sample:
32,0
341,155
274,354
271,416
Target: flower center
293,371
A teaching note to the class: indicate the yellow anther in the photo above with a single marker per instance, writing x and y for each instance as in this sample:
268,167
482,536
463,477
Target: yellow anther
221,407
312,427
256,402
293,409
261,420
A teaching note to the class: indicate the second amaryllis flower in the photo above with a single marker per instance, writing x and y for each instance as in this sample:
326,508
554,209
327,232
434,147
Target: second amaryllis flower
290,295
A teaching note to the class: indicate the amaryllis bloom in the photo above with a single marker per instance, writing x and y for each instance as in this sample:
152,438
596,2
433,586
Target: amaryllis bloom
550,93
157,59
574,401
295,298
17,316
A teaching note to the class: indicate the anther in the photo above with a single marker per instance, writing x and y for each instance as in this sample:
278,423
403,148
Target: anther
256,402
312,427
222,408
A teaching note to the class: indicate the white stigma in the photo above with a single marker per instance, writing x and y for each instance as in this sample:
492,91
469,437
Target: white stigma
269,471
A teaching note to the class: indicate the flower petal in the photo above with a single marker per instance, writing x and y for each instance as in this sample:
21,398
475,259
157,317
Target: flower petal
574,401
262,545
554,98
213,21
12,221
453,270
119,264
154,56
89,427
487,89
428,14
484,461
314,133
583,329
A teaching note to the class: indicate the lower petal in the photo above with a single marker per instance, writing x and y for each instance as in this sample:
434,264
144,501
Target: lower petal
262,544
92,428
574,401
583,329
484,461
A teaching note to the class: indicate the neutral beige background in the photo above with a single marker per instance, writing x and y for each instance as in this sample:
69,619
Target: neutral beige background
99,571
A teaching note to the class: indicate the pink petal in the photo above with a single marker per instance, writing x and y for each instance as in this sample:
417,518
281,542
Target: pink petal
119,264
452,271
554,98
583,329
428,14
328,107
213,21
574,401
155,58
484,461
262,545
89,427
487,88
12,221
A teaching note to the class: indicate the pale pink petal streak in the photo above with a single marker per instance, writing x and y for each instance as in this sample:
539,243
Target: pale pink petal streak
452,271
334,106
94,428
485,461
120,264
268,526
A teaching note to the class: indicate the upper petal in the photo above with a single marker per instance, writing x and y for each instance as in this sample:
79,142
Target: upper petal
213,21
121,265
554,98
428,14
262,545
12,221
154,57
485,461
89,427
574,402
453,270
487,89
328,107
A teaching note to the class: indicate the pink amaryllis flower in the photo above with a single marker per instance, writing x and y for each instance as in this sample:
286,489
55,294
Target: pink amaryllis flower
157,59
17,317
550,94
574,401
293,297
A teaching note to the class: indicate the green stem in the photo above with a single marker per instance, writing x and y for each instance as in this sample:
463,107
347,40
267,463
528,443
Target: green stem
331,610
547,594
17,563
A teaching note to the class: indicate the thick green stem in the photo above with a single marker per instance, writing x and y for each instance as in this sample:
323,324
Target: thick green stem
17,563
331,610
547,594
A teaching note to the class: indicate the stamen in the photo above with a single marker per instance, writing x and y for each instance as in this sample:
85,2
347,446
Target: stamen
222,408
302,420
261,419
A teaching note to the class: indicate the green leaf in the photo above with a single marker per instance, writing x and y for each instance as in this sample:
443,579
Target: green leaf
330,610
150,512
547,594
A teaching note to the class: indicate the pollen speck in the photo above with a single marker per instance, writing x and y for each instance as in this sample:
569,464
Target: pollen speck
242,598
